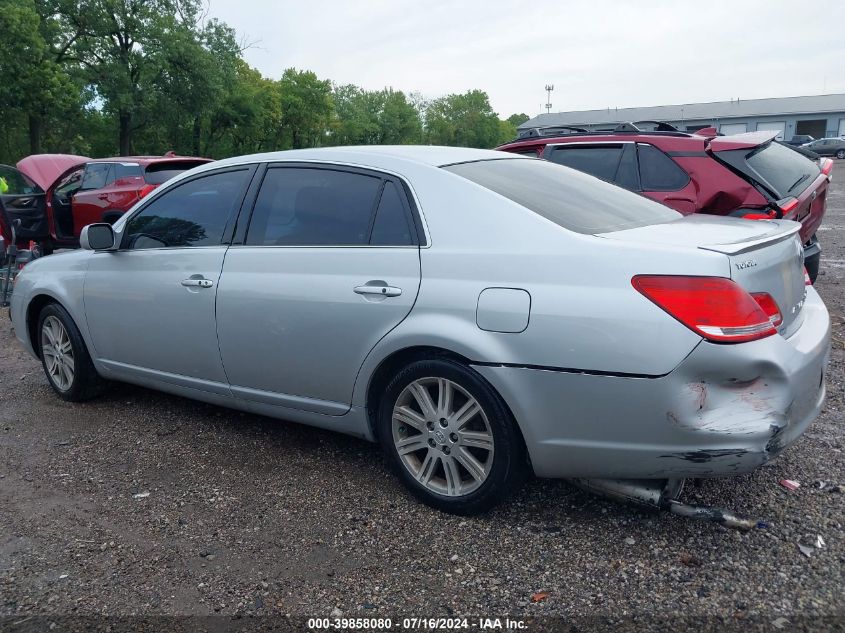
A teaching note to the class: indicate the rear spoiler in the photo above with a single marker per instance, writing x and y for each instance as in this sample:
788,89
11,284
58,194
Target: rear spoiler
781,230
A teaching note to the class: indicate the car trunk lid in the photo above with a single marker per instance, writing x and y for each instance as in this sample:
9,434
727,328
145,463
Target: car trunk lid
764,255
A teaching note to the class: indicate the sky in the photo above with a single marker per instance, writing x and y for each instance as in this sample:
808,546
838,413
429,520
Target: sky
599,54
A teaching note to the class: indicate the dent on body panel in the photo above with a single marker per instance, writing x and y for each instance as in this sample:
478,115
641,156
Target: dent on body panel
747,414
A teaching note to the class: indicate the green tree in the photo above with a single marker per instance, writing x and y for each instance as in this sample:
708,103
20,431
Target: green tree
306,104
33,85
464,120
517,119
374,117
248,118
122,45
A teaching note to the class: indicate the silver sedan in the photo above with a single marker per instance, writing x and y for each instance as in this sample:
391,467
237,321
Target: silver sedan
479,314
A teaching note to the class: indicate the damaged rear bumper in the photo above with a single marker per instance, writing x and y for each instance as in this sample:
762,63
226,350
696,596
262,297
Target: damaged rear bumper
725,410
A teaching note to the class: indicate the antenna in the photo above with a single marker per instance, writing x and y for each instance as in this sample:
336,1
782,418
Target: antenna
549,88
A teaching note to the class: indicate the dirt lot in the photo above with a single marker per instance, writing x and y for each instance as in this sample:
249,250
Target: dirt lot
146,504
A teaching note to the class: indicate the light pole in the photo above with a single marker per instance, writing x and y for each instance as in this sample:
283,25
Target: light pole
549,88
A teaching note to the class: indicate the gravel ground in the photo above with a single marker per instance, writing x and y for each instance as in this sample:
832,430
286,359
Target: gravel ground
145,504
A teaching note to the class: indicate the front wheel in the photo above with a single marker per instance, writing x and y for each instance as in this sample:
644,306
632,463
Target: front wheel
65,358
449,437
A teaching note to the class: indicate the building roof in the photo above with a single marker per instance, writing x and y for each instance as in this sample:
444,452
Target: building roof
738,108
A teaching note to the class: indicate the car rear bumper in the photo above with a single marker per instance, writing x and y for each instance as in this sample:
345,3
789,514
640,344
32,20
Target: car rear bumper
725,410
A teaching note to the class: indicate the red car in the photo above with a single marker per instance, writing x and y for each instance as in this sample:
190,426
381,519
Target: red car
55,195
746,175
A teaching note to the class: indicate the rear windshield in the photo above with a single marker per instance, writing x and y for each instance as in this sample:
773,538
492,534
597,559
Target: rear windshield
159,173
569,198
781,169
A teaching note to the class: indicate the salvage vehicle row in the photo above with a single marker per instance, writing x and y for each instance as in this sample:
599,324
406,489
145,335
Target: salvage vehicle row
478,314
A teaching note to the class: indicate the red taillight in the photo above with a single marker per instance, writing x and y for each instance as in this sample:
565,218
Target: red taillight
770,215
716,308
146,189
789,206
769,306
826,166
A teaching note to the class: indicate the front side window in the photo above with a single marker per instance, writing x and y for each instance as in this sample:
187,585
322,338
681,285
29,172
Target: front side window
301,206
658,172
96,175
191,214
568,198
17,183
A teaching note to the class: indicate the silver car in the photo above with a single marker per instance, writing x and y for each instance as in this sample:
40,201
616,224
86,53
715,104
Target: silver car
477,313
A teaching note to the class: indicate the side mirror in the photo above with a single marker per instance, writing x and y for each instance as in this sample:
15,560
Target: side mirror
97,237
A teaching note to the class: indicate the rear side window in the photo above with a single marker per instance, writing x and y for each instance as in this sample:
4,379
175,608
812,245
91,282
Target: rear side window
780,169
190,214
159,173
391,227
126,170
568,198
299,206
599,161
96,176
658,172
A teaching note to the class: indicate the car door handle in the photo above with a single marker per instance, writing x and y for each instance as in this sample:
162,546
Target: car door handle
382,290
197,283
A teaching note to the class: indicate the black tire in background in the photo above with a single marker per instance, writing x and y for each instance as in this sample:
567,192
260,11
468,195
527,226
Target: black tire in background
840,153
508,462
813,263
86,383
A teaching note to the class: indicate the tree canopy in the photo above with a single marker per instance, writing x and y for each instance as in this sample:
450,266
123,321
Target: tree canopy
122,77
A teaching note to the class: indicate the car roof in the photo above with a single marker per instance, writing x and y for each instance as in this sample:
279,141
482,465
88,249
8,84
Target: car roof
149,160
380,156
666,141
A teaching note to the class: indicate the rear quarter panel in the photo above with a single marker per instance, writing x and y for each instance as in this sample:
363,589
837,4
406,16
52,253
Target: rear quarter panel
584,313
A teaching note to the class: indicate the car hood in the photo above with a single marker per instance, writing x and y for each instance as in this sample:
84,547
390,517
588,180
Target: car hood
45,169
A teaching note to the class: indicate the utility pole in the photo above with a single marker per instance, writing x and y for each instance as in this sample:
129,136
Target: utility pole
549,88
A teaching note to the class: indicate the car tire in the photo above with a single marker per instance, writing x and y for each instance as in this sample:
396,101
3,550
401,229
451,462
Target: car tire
840,153
812,263
65,358
462,453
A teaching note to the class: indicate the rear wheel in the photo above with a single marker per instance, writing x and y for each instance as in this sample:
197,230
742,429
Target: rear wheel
65,358
449,437
840,153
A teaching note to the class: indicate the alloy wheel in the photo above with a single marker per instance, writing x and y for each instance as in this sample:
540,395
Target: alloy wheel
58,353
442,436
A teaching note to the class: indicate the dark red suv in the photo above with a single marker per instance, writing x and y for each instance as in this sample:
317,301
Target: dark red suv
55,195
746,175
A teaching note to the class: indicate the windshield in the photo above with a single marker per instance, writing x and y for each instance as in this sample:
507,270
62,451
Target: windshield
569,198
